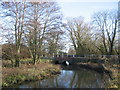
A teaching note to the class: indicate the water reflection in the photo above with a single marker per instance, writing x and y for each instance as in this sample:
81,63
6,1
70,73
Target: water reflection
81,78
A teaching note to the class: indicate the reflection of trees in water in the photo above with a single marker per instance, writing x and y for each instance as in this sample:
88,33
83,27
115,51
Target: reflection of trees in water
72,83
87,79
72,79
65,78
80,79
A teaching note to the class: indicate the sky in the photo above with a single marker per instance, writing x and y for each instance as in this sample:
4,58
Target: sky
75,8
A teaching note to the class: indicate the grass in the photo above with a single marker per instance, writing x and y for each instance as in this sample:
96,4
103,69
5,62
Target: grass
28,72
7,63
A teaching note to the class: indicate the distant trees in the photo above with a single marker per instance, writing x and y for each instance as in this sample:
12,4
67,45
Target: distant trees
80,35
71,51
97,38
106,25
54,41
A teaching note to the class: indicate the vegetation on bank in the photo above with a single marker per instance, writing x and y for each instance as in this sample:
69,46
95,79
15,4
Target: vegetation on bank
113,65
28,72
115,83
112,71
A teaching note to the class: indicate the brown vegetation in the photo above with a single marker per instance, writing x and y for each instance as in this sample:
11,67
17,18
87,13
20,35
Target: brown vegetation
29,72
8,51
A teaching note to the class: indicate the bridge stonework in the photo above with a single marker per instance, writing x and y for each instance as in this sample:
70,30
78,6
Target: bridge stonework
94,59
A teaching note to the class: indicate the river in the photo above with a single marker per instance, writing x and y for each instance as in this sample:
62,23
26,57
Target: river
71,78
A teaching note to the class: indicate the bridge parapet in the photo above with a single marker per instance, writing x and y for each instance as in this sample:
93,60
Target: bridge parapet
88,58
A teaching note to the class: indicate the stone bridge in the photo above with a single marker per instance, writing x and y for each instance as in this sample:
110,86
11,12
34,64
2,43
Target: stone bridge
75,60
72,59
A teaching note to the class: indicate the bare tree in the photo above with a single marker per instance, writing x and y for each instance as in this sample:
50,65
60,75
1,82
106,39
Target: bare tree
54,40
106,23
16,12
43,17
80,34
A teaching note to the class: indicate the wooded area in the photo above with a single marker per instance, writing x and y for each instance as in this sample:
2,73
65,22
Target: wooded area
33,30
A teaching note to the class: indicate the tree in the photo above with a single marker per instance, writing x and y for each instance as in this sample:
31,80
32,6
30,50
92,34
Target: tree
16,12
80,35
106,23
54,42
43,18
71,51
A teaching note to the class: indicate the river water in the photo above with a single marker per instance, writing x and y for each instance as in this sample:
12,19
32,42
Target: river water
81,78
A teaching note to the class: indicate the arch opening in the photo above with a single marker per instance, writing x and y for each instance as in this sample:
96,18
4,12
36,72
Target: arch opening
66,63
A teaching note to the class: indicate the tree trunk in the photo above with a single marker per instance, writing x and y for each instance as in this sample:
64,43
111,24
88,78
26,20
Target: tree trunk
17,58
111,49
34,59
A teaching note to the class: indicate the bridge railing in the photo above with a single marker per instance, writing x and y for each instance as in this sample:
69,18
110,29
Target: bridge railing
89,56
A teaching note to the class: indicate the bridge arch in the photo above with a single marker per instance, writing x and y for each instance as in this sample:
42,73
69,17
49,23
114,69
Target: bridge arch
66,63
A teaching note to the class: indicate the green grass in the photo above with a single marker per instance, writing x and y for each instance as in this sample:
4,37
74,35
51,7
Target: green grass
7,63
29,60
45,60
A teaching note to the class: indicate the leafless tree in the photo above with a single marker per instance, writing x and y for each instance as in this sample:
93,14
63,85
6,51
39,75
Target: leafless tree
80,34
42,18
15,11
54,41
106,23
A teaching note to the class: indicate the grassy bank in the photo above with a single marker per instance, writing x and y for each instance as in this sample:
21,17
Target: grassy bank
115,83
28,72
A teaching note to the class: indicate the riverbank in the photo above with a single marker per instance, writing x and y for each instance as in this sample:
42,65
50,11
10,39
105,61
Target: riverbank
111,70
100,68
42,70
115,82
